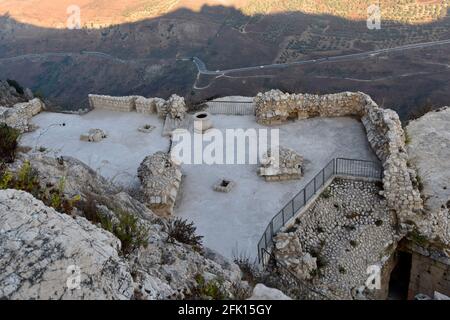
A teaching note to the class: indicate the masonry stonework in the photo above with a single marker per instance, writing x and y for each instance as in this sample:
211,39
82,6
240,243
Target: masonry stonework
384,132
160,178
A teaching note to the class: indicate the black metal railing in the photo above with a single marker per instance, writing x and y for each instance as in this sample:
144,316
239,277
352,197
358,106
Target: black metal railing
336,167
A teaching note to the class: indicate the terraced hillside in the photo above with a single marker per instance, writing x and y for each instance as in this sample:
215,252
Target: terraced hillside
143,47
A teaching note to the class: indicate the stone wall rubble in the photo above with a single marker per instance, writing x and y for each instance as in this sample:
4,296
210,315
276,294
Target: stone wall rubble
289,165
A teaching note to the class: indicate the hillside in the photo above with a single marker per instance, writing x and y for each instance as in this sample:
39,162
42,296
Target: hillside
143,47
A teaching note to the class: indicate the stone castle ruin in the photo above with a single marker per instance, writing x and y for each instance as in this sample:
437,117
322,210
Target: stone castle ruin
398,200
400,181
384,132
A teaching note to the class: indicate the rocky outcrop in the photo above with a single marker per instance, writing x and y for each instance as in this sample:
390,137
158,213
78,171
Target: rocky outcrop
48,255
429,152
10,96
160,178
384,132
38,245
261,292
20,114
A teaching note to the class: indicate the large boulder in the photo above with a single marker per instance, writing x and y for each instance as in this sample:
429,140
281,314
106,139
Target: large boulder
429,152
48,255
163,269
261,292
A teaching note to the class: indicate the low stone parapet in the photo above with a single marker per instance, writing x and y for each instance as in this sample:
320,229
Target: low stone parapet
122,104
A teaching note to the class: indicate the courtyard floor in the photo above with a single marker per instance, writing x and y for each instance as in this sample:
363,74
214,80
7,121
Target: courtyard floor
231,223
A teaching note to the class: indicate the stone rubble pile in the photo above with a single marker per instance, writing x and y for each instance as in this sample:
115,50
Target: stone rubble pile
285,165
160,178
94,135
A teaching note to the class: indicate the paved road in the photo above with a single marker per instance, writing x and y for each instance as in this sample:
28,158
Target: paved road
67,54
354,56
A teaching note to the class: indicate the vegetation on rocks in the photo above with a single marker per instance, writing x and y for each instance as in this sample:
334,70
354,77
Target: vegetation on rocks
9,141
128,230
207,290
184,232
124,225
27,179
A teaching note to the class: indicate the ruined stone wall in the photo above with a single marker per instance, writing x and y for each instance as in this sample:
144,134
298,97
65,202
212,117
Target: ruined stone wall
20,114
123,104
175,106
384,132
148,105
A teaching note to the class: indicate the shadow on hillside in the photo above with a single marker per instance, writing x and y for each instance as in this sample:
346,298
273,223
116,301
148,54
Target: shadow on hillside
147,57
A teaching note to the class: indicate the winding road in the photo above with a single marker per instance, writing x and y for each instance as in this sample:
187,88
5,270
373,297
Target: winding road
202,69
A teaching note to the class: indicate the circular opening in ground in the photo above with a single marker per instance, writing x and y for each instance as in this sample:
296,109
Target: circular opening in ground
201,115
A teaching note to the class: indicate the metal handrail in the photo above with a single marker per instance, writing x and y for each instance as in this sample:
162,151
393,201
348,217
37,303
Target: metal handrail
336,166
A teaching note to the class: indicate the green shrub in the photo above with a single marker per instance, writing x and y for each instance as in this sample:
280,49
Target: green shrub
379,223
326,193
417,238
342,270
9,141
182,231
127,229
27,179
206,290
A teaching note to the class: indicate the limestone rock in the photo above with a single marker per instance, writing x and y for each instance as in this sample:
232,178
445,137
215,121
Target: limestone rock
261,292
9,95
429,151
40,247
94,135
